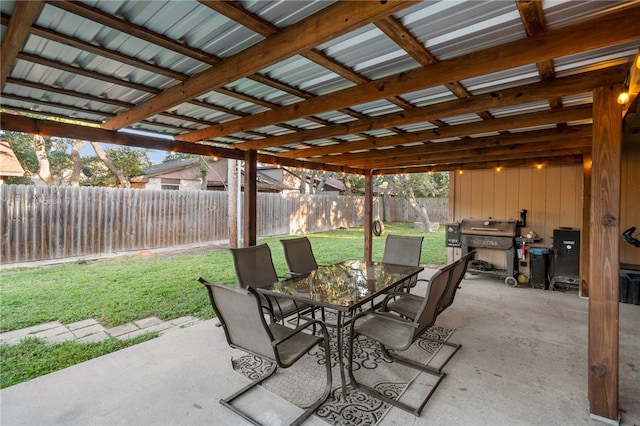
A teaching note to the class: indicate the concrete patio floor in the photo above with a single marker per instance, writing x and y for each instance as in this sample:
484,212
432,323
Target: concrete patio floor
523,362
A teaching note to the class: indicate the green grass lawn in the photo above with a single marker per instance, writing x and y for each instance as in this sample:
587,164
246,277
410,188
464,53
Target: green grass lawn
119,290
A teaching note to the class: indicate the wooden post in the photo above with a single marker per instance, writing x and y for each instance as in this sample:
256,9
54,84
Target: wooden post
604,264
368,216
583,289
250,197
232,202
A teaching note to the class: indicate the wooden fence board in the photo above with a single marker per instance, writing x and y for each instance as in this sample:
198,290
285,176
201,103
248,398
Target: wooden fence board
43,223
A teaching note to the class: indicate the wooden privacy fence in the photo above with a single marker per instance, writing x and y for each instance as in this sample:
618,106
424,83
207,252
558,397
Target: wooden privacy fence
43,223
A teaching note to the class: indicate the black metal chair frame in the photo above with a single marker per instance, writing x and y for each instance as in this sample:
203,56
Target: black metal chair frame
284,341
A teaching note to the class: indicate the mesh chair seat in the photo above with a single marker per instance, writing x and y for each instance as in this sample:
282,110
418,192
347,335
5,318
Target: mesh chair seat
294,345
392,334
281,307
406,305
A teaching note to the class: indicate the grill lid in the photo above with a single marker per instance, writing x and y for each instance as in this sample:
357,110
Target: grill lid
489,227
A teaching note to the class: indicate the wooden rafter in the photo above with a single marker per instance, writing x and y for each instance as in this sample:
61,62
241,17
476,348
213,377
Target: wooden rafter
549,149
288,42
266,29
534,22
19,27
575,84
143,33
542,118
483,165
588,35
506,140
147,35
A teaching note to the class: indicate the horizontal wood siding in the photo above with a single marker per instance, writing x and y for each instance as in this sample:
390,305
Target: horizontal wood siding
43,223
630,200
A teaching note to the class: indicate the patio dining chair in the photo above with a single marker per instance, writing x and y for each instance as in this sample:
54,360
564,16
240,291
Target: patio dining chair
245,328
408,305
396,334
403,250
300,259
254,268
299,255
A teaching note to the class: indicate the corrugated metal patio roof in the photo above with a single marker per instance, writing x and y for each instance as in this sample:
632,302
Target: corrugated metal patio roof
104,63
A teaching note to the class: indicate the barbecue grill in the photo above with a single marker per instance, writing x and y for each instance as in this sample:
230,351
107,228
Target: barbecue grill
495,235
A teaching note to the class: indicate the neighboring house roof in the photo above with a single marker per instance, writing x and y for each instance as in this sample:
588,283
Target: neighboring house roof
9,164
166,168
333,184
266,183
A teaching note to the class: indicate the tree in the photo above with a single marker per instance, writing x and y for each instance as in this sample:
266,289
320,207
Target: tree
74,180
57,161
115,167
415,185
42,157
177,156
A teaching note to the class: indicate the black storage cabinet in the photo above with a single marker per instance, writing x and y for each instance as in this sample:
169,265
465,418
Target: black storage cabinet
539,268
566,259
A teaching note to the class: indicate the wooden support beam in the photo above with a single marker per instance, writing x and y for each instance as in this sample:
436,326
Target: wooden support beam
482,165
534,22
605,30
633,84
604,256
530,150
574,113
111,21
506,140
306,34
250,201
500,159
565,86
368,216
24,15
18,123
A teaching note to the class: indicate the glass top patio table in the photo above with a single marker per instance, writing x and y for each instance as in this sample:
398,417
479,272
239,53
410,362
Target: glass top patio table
344,286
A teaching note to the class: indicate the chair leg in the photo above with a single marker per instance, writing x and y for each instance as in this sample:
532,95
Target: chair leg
374,393
455,346
426,368
227,401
